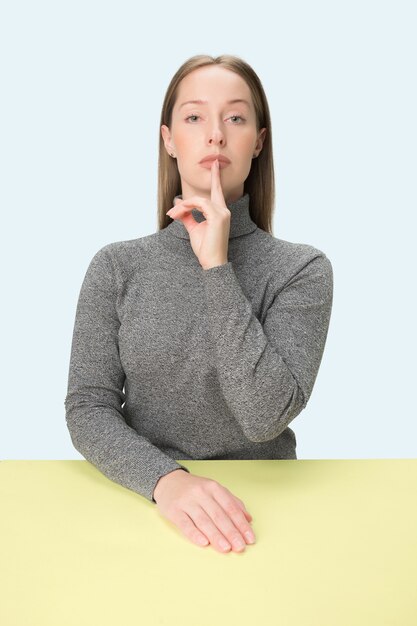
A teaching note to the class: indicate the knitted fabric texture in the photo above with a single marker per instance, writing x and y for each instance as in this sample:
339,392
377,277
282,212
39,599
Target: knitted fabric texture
169,361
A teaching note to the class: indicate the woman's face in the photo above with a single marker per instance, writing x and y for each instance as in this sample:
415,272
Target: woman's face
213,126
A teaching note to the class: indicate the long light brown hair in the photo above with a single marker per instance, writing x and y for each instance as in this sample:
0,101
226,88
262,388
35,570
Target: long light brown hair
260,183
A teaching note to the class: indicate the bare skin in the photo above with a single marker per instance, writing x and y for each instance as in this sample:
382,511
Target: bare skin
215,126
205,511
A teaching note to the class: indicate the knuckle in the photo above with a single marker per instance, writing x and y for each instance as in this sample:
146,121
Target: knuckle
200,520
197,491
182,521
232,509
237,539
187,528
214,484
218,517
246,527
222,541
196,536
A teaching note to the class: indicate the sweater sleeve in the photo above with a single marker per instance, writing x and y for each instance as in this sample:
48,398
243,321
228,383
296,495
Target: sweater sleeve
267,372
93,404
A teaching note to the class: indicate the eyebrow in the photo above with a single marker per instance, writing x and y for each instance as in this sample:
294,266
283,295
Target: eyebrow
205,102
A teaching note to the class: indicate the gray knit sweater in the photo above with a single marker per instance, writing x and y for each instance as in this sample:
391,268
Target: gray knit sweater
170,361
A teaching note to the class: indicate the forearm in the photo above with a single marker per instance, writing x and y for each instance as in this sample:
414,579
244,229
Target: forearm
104,439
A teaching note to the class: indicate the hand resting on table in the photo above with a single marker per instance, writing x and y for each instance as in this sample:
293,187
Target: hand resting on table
204,510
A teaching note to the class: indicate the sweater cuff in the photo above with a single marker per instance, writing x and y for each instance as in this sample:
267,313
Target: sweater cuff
225,267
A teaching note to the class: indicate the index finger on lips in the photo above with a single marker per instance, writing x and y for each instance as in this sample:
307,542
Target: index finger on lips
217,196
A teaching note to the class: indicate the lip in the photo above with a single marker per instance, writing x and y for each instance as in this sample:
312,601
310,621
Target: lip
212,157
208,164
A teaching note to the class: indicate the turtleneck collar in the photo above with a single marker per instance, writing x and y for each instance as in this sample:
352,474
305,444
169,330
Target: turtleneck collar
240,221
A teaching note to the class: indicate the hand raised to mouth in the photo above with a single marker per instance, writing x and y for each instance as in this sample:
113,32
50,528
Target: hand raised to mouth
209,239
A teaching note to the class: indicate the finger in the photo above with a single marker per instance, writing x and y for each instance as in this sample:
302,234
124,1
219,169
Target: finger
189,529
230,520
241,504
246,512
208,526
242,507
185,207
233,508
217,196
183,213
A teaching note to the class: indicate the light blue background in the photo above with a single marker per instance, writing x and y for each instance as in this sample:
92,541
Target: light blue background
82,85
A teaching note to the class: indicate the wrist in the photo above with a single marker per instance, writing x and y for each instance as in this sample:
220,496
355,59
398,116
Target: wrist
163,480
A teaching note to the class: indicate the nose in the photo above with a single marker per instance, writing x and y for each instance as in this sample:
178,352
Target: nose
216,137
216,141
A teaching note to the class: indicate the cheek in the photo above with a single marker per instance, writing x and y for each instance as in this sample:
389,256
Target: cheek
187,146
246,142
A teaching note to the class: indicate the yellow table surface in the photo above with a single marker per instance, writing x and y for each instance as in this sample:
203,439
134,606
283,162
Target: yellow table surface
336,546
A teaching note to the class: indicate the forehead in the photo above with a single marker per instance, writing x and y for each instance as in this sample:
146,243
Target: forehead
213,84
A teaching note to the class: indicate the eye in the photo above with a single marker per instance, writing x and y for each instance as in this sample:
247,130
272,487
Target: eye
239,116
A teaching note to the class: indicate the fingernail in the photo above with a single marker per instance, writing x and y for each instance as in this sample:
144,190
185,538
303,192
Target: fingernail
250,537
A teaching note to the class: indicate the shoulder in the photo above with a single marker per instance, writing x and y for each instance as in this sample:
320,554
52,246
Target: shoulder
296,272
122,256
289,258
118,249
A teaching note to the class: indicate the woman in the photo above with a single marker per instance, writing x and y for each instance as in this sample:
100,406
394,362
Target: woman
204,339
